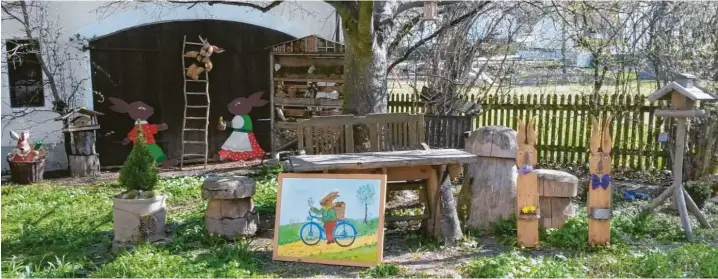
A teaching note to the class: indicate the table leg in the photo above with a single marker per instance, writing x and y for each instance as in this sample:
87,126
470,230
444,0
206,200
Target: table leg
432,204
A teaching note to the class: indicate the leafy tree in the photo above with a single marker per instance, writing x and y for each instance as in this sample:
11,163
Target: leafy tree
365,195
140,170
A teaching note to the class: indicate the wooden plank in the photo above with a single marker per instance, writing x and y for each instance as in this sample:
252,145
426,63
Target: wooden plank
545,206
328,103
373,137
308,138
562,133
348,139
302,61
305,163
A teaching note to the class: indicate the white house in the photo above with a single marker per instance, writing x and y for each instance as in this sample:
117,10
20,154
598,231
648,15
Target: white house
84,20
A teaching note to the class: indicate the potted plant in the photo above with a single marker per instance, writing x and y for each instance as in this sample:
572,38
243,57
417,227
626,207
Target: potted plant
528,212
27,162
139,212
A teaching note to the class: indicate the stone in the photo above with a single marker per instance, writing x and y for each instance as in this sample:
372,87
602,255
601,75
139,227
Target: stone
232,187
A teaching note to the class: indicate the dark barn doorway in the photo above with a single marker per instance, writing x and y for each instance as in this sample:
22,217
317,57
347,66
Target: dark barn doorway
144,64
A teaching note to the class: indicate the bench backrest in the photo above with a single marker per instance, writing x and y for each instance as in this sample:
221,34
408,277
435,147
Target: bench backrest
335,134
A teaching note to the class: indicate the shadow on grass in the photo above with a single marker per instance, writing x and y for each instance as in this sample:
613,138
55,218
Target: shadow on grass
57,251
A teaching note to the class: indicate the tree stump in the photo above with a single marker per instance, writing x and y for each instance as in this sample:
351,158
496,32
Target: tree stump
84,165
491,192
556,188
230,210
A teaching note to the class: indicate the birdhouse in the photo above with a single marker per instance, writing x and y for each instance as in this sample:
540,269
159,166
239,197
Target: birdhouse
683,93
80,128
430,8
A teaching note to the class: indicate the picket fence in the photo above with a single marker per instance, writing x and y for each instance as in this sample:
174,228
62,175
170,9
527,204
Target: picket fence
563,125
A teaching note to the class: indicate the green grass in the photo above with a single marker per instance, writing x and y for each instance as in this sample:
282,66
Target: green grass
693,260
383,271
51,231
55,231
366,253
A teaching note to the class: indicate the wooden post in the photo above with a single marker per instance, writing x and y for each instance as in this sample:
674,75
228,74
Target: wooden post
599,191
678,177
527,199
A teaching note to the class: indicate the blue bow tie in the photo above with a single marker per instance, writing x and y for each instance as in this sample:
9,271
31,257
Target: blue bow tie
602,182
525,169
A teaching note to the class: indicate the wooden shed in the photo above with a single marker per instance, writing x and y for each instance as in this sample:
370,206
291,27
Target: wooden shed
143,64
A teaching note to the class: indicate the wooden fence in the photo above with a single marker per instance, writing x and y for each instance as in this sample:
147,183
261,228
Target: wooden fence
563,125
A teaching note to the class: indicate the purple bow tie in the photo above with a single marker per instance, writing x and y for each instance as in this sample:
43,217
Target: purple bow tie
526,169
603,181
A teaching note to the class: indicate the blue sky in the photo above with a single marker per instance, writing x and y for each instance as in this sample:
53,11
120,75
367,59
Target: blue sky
296,192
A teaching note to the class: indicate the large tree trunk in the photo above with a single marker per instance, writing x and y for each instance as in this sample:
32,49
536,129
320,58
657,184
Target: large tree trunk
365,78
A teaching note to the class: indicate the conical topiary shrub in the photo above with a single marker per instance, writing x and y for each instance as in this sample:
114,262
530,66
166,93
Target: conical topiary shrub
139,213
139,173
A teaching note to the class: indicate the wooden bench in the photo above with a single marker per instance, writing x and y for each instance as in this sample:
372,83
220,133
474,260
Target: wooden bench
326,135
335,134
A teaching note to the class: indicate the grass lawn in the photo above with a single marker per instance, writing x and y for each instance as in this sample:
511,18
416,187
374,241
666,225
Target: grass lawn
56,231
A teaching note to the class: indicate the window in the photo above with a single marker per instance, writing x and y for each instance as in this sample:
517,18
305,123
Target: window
24,73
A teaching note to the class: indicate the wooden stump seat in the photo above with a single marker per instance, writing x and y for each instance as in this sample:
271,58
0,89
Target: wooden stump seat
556,188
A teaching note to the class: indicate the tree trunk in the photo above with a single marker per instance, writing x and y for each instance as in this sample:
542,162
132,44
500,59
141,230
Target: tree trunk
366,212
365,78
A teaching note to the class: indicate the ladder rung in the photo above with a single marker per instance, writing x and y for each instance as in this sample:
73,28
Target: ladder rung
193,117
197,106
193,130
193,43
194,155
194,142
199,80
196,93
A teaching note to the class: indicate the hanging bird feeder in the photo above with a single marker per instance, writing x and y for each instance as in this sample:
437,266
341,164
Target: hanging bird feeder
430,8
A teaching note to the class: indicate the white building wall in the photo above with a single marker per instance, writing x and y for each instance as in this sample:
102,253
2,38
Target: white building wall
296,18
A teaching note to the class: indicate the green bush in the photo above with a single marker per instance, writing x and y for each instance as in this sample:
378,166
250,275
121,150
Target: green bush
140,169
700,191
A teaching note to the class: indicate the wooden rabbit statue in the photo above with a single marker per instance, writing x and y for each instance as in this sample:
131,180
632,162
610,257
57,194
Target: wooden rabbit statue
527,200
599,192
202,62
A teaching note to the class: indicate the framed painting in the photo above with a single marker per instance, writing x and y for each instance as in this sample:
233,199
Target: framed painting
333,219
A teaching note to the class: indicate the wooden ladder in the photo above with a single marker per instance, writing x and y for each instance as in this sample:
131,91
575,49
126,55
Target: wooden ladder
193,120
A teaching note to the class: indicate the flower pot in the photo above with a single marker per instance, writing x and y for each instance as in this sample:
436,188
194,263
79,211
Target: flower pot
27,172
137,220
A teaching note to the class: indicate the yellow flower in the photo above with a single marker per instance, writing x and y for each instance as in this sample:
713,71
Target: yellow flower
532,208
525,209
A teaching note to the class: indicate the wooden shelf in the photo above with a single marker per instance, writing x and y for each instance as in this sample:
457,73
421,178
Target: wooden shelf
308,102
285,125
309,80
314,54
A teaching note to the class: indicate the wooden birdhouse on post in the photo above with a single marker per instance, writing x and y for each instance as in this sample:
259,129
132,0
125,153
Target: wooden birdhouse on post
430,8
683,95
80,128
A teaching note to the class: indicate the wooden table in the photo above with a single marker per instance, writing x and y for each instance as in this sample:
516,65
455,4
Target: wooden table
432,166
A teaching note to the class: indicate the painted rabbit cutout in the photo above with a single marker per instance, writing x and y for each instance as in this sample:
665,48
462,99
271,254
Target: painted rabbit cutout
140,112
599,193
241,144
527,185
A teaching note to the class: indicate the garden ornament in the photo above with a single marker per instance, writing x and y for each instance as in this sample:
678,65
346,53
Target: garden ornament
527,207
599,194
202,62
23,152
140,112
241,144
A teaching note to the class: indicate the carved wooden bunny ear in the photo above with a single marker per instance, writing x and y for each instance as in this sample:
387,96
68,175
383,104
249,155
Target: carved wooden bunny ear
531,131
595,143
14,135
606,138
521,133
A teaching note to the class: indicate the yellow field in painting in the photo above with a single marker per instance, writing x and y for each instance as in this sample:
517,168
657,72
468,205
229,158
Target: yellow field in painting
363,249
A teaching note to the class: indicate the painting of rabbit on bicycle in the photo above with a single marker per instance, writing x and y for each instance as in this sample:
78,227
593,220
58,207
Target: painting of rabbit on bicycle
330,218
